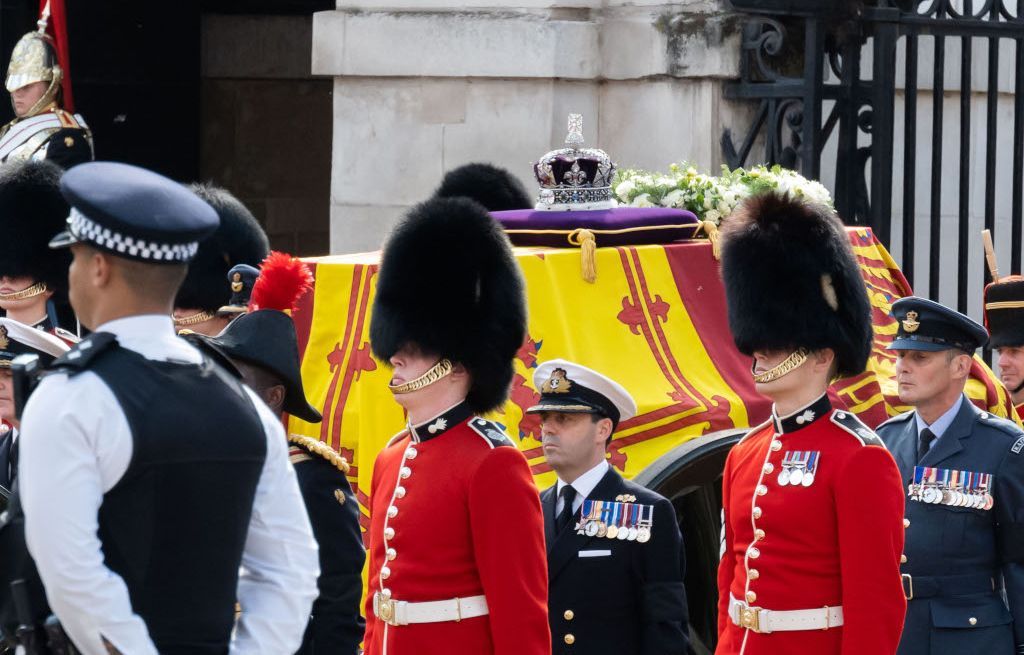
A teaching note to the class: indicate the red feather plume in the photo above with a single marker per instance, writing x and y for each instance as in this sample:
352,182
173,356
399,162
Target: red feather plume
282,282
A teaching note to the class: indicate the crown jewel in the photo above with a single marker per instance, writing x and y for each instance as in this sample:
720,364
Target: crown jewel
574,177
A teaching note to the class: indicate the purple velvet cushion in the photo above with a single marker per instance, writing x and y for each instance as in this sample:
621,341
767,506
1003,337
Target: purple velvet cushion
611,227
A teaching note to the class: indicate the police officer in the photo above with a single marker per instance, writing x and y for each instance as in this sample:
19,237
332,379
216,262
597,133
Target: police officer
812,501
156,487
34,278
1004,318
615,555
964,478
41,129
201,304
262,345
456,536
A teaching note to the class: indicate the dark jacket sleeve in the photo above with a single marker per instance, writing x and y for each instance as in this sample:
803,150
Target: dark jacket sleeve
336,626
1009,509
662,595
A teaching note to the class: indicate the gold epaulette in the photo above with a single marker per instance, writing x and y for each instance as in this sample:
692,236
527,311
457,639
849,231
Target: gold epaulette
67,119
317,447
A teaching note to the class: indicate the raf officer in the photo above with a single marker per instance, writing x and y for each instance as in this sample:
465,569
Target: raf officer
1004,317
615,555
964,475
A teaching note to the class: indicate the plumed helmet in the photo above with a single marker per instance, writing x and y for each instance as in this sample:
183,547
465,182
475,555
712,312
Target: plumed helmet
449,284
791,281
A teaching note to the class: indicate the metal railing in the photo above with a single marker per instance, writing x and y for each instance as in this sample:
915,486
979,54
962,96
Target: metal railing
858,77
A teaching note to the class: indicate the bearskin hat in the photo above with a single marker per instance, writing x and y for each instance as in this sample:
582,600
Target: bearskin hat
449,284
33,211
791,281
494,188
238,240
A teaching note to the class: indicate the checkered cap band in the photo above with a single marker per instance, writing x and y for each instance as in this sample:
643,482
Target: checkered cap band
86,229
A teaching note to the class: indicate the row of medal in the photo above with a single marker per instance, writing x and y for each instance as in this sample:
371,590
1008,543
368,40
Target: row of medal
613,520
949,487
799,468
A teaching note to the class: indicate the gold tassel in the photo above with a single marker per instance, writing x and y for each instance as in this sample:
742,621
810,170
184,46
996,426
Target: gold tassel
711,230
585,239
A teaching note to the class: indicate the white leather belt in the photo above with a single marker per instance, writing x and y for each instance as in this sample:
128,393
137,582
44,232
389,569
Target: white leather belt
400,612
759,619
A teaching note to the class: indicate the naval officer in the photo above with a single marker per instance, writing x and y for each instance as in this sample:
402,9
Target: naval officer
964,483
615,554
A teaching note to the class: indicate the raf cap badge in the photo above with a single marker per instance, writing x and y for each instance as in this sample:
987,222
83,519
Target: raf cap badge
910,323
236,283
557,383
4,341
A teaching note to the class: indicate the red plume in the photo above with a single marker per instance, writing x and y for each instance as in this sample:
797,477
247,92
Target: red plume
283,280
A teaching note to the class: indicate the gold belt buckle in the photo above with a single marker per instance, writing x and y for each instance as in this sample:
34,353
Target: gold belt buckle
385,609
750,618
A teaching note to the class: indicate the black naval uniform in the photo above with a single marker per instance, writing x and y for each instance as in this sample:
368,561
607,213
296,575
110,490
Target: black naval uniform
336,625
628,601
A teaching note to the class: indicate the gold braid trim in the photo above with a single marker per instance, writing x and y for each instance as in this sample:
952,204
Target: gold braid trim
796,358
31,292
194,319
318,447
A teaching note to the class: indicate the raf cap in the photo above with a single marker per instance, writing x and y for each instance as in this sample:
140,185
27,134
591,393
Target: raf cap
1004,311
241,279
926,325
133,213
20,339
571,388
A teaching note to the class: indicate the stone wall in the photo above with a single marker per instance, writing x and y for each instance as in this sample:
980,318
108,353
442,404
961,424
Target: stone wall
421,87
266,125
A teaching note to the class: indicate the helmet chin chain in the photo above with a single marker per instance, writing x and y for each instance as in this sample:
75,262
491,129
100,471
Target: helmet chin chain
795,359
438,371
37,289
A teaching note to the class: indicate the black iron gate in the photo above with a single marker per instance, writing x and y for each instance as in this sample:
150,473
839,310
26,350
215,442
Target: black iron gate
803,65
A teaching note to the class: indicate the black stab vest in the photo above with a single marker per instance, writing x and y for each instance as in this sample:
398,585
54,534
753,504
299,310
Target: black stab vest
174,526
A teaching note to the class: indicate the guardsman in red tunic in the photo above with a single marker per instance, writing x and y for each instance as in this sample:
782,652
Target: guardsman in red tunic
456,537
1004,318
813,502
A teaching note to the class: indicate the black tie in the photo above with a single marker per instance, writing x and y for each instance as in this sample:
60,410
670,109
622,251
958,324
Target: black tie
568,496
925,440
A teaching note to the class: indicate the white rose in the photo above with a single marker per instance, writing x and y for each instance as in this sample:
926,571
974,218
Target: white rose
642,200
625,188
712,215
709,202
673,198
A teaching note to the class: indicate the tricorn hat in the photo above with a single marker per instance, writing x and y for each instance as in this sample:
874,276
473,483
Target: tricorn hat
32,211
493,187
238,240
265,337
791,281
449,284
1004,311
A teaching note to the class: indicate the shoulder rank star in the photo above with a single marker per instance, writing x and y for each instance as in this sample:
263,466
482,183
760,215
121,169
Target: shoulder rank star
626,498
437,426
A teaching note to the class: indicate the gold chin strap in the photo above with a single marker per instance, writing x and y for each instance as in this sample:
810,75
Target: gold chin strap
438,371
796,358
37,289
194,319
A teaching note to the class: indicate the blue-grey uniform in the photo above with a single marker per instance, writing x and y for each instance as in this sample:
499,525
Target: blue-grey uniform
963,568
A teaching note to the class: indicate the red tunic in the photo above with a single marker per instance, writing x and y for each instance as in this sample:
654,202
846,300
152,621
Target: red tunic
835,542
468,523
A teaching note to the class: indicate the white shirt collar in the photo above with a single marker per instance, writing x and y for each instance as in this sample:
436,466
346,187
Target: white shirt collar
586,482
942,423
152,336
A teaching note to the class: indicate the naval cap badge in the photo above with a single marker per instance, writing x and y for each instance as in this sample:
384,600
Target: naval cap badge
557,383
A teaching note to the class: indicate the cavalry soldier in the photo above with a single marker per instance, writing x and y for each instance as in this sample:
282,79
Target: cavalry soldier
456,537
202,303
41,129
156,487
1004,318
813,505
964,478
263,347
34,278
615,555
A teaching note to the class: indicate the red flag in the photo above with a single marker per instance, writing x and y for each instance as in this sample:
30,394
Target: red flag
58,29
